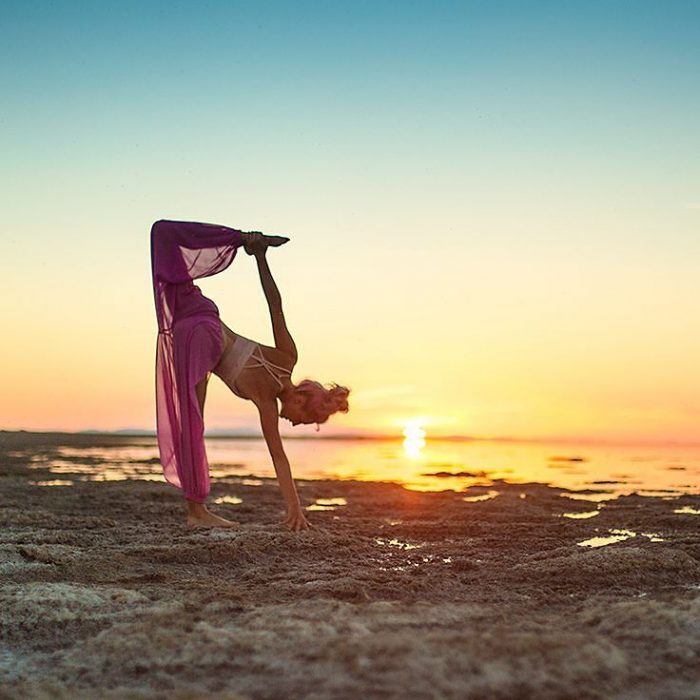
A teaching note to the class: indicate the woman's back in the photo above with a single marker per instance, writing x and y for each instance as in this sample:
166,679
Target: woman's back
241,353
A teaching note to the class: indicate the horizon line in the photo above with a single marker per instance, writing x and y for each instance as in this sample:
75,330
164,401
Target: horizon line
248,435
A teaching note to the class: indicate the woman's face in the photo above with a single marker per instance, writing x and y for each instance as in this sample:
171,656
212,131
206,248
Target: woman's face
293,409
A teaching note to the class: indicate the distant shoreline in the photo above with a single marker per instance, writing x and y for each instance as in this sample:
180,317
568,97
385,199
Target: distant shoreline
126,434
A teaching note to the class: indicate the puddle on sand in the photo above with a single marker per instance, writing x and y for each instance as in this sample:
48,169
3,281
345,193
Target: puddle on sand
120,476
425,559
480,497
595,497
619,536
105,471
581,516
228,499
327,504
687,510
661,493
221,471
53,482
252,482
397,543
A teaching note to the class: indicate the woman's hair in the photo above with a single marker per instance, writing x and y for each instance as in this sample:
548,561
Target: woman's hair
320,403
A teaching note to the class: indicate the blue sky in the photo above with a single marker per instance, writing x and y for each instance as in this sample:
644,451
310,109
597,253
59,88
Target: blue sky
557,97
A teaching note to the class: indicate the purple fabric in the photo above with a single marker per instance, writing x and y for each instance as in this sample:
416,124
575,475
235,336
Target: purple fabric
190,342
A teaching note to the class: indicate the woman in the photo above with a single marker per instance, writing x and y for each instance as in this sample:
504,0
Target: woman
193,342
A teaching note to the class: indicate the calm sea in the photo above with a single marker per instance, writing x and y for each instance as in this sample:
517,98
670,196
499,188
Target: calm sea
608,471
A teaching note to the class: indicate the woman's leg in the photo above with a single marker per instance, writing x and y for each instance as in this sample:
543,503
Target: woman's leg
197,513
201,391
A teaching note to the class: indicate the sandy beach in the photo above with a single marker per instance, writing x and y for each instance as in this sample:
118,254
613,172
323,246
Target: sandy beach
392,594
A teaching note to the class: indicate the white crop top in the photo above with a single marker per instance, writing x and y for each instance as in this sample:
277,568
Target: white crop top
242,354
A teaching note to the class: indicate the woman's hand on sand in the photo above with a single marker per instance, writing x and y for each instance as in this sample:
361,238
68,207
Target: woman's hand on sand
296,520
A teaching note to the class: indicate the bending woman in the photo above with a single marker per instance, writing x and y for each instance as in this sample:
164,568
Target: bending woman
193,342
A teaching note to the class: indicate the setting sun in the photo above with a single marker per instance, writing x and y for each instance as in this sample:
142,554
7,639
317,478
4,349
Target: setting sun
413,429
414,437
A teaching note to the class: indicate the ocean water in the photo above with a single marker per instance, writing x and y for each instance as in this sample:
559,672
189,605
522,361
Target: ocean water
599,472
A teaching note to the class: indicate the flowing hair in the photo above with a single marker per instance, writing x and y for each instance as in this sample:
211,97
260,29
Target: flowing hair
320,402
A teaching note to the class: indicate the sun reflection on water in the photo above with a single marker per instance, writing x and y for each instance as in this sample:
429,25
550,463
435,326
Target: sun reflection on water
414,438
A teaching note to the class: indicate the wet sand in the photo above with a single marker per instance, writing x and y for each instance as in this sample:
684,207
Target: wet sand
397,594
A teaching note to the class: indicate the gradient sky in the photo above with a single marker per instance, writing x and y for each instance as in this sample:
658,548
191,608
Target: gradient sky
493,206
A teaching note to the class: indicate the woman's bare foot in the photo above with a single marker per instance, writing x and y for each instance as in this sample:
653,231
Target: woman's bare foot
255,241
199,516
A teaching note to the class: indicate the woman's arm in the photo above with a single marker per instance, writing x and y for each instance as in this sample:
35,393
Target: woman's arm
283,338
270,426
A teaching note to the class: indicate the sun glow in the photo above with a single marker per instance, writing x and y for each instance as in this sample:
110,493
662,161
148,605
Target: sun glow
414,437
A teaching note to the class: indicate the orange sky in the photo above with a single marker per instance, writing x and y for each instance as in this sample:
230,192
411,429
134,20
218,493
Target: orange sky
526,348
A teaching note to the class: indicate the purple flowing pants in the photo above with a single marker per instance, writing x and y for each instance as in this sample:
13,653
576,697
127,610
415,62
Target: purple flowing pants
190,342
